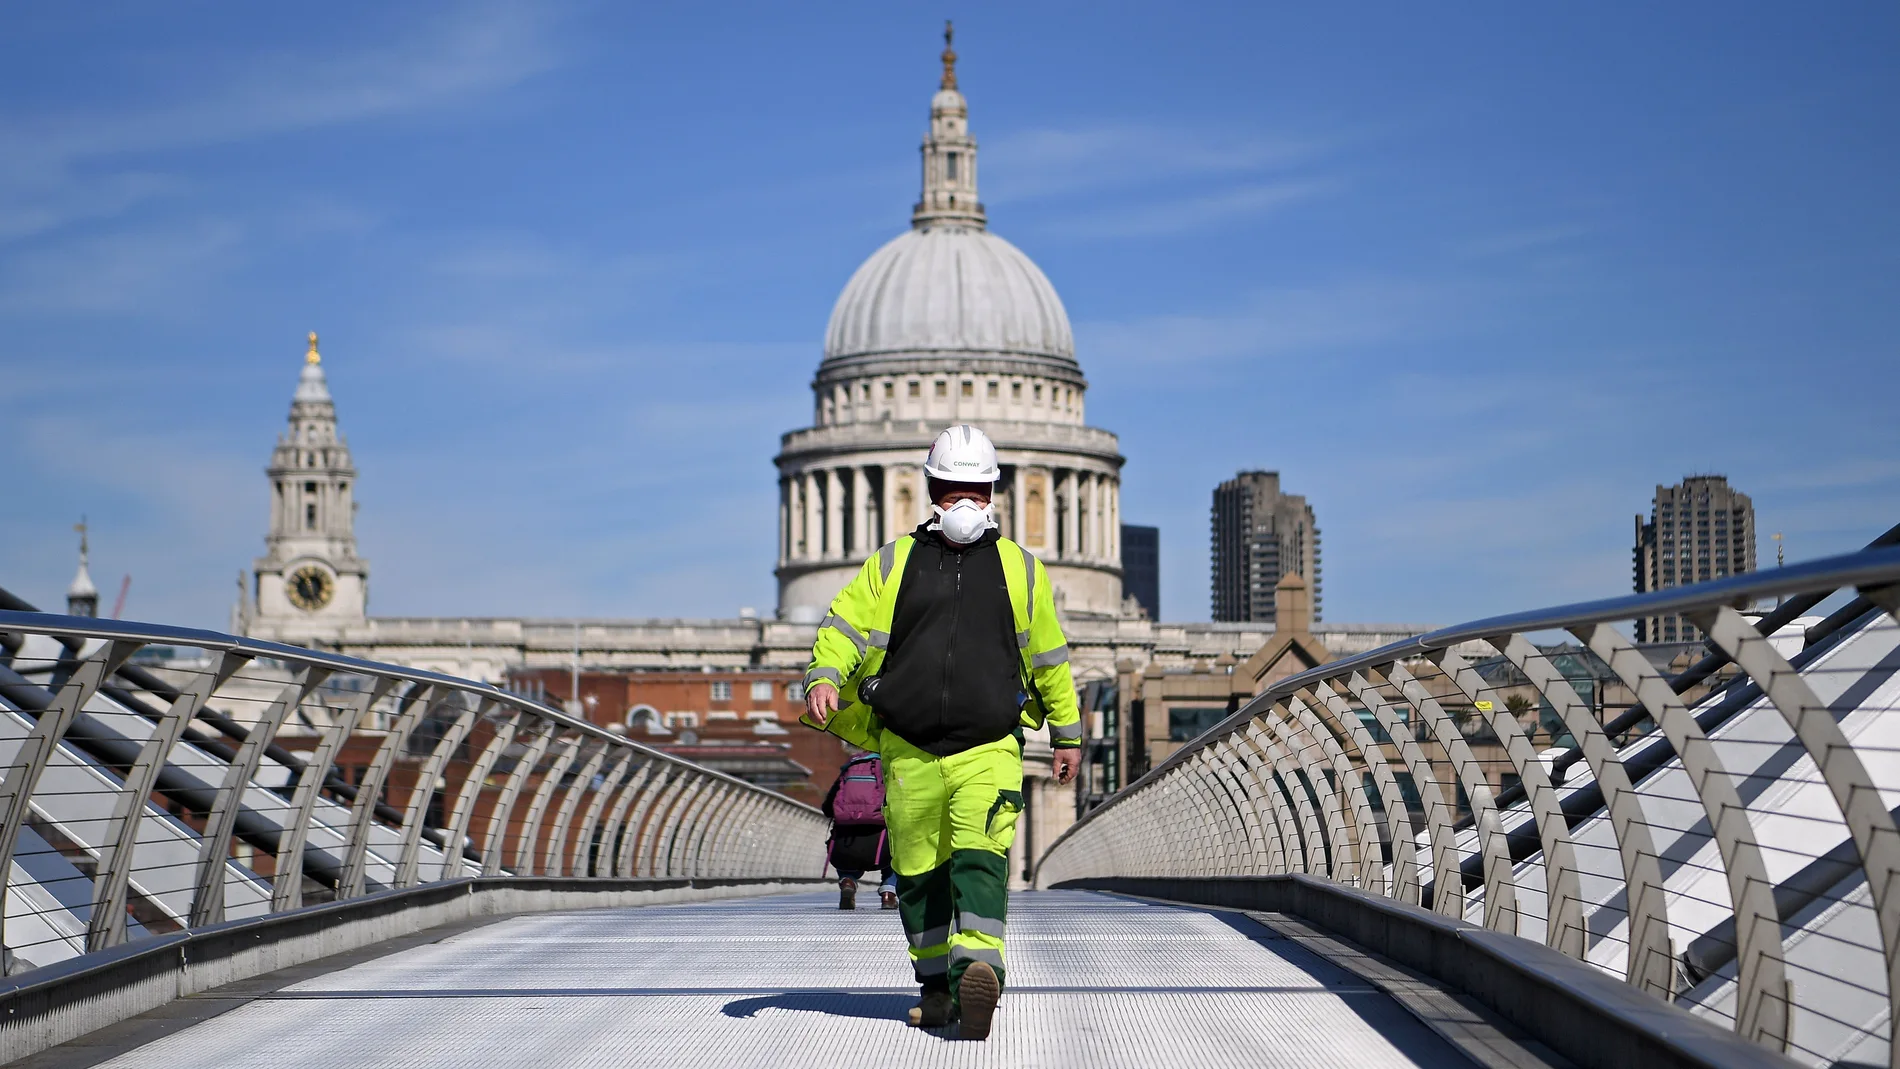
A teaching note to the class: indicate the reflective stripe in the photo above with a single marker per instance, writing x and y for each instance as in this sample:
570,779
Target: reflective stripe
843,627
959,952
1066,732
1022,640
934,937
824,674
1051,658
886,558
971,922
880,639
1029,573
932,966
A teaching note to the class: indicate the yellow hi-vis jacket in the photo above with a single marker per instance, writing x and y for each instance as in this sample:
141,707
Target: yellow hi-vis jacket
853,639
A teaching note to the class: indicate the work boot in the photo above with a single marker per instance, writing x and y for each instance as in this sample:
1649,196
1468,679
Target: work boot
934,1010
977,993
847,893
888,899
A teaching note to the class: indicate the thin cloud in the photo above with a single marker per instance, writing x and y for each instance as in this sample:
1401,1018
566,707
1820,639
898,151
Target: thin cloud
47,162
1048,162
1186,214
1512,242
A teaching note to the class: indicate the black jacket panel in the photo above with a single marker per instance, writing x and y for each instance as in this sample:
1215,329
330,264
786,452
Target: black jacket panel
952,679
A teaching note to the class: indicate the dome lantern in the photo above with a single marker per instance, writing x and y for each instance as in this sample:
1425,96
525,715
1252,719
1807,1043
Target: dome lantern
949,194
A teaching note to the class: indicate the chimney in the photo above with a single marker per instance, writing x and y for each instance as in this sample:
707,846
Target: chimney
1292,606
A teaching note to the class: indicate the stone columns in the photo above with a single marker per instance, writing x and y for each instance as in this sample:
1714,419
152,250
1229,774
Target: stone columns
784,519
809,536
834,513
861,513
1073,502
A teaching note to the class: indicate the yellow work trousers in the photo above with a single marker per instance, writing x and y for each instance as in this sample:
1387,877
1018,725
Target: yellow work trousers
952,820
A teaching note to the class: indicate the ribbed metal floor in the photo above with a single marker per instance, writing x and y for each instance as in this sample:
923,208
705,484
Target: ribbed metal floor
791,981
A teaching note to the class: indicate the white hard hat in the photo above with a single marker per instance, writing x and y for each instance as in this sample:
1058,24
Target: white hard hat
962,454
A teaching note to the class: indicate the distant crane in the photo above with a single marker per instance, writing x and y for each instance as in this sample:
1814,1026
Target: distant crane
119,605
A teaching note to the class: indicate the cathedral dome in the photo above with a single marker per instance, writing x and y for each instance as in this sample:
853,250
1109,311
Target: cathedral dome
949,289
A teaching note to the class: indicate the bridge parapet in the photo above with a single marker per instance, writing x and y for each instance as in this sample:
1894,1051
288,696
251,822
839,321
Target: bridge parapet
1714,825
162,780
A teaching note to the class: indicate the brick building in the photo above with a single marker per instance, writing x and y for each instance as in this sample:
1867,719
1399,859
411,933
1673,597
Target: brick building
741,721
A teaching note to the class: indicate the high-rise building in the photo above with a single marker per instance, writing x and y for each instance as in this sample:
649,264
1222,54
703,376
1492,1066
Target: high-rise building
1698,530
1260,535
1141,567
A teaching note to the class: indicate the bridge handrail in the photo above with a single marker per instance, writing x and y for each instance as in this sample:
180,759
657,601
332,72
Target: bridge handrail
524,789
1303,778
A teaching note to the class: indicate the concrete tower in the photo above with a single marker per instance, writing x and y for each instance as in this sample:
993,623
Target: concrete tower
309,586
946,324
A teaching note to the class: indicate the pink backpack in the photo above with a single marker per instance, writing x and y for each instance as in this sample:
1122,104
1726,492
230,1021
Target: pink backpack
860,798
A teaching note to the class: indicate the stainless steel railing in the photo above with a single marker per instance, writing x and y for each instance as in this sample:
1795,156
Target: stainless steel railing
1720,833
160,778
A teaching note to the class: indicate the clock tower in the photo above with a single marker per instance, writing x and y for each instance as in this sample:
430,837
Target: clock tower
309,587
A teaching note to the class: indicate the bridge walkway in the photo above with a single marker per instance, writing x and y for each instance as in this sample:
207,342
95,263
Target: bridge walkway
788,981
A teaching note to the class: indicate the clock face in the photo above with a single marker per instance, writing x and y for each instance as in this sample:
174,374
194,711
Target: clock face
310,588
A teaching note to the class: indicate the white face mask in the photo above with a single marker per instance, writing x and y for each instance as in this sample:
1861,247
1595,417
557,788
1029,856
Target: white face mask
963,522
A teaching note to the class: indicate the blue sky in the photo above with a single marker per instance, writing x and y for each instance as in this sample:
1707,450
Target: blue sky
1474,278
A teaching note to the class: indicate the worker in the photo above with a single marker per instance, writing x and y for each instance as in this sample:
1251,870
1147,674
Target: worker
939,654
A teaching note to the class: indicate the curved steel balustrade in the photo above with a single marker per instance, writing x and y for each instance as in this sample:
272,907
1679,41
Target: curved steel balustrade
1722,836
234,778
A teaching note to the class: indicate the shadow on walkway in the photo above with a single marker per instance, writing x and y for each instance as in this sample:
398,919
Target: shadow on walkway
878,1006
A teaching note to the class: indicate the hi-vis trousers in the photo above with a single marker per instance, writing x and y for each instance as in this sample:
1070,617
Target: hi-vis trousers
952,820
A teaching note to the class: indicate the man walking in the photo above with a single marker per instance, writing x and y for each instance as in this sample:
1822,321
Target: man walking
938,655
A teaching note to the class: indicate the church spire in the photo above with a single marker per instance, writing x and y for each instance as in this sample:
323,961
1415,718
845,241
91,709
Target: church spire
949,194
82,597
949,58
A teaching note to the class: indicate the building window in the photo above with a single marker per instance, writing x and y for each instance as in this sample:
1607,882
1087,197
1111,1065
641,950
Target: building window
795,691
1038,393
916,390
310,517
890,390
1016,392
761,691
943,388
864,392
950,166
682,720
969,389
994,391
722,691
761,716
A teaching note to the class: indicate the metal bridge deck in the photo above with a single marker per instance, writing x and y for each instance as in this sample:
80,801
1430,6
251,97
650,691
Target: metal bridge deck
791,981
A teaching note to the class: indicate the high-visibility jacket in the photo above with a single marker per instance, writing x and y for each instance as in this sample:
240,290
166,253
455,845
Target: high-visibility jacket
855,636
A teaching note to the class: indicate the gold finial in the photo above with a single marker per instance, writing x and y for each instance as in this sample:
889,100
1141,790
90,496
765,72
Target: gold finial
949,58
311,357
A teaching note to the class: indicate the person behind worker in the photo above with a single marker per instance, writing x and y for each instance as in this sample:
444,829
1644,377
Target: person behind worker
859,840
938,654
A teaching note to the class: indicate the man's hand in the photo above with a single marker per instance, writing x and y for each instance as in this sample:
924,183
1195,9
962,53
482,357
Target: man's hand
821,700
1066,760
